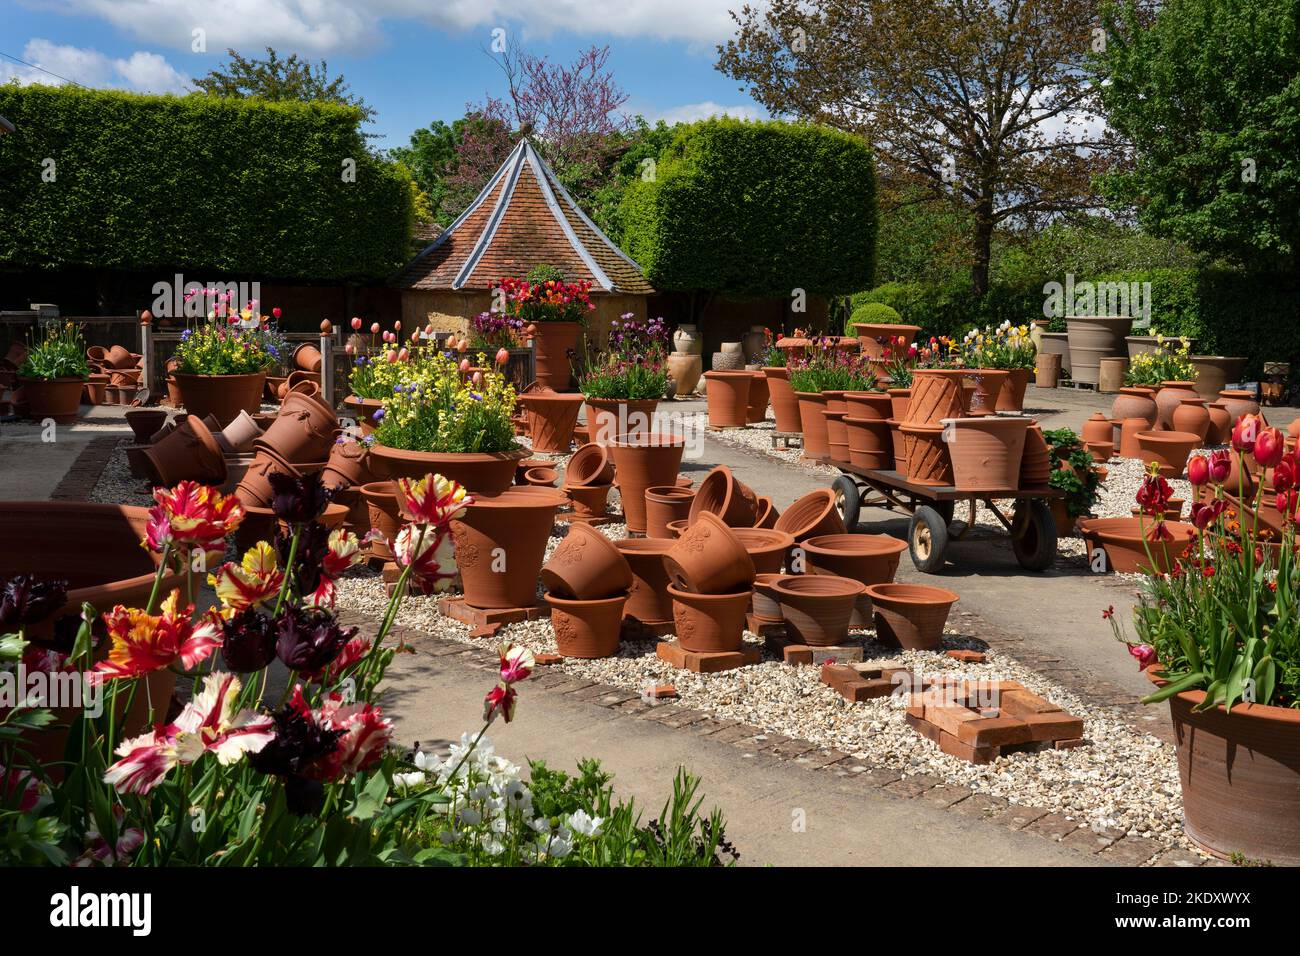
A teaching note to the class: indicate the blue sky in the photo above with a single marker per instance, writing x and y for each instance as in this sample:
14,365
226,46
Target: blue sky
414,60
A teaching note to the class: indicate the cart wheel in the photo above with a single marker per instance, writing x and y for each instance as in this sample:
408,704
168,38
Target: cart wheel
927,539
1033,535
847,500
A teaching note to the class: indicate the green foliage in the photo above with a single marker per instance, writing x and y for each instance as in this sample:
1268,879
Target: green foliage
922,238
604,202
1074,471
196,183
431,158
875,313
756,209
61,353
278,80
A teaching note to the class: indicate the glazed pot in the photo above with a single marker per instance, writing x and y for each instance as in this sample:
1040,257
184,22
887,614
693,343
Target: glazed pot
928,461
709,559
811,515
190,452
254,488
837,437
349,464
663,504
500,543
1238,402
1036,460
307,357
1057,343
587,628
551,417
1168,449
608,418
709,623
731,500
874,406
648,600
986,452
936,395
586,566
817,607
766,547
1191,415
900,400
1168,398
144,422
812,422
756,411
1214,373
482,473
685,372
552,343
588,501
222,396
1011,397
1220,430
364,409
55,398
384,509
873,337
641,462
1091,339
728,397
985,386
1129,546
1135,402
591,464
767,513
870,445
910,615
785,404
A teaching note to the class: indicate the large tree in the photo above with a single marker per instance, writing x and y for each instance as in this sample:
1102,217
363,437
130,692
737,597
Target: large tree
278,78
1208,91
982,102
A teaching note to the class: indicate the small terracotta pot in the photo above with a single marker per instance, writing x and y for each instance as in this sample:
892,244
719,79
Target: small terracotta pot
641,462
550,419
873,406
663,504
709,558
812,419
587,629
254,489
540,477
648,600
97,388
763,603
384,514
728,397
589,501
766,547
239,434
928,460
500,543
307,357
811,515
591,464
586,566
817,607
722,494
709,623
910,615
188,452
610,418
767,513
1168,449
145,422
349,464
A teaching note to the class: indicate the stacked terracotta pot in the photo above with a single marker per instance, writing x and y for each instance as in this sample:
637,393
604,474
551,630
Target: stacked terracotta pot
711,576
300,438
587,481
587,581
115,375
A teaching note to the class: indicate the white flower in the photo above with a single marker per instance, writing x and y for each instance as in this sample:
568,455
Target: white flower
559,848
470,817
494,847
480,792
405,780
541,825
448,837
429,763
587,826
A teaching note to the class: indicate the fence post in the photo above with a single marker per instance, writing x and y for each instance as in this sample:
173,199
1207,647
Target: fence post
146,350
327,362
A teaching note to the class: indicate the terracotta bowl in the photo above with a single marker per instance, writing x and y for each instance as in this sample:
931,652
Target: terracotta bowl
541,476
817,607
911,615
767,547
866,558
1128,546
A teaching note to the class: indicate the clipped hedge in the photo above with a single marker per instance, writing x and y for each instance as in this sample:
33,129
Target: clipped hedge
196,182
876,313
756,209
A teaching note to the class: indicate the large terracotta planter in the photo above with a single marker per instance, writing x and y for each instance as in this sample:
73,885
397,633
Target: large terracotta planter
837,436
1135,402
1091,339
766,547
1057,343
709,559
1129,546
936,395
641,462
551,417
685,371
870,445
730,499
608,418
364,409
812,421
900,400
190,451
985,386
874,338
500,543
55,398
587,629
1239,402
586,566
482,473
910,615
817,607
1191,415
986,452
647,601
756,411
785,405
728,397
811,515
928,461
1011,397
1168,398
875,406
223,396
1168,449
709,623
552,343
1214,373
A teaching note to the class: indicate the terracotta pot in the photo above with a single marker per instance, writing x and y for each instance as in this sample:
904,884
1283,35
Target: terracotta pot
874,406
910,615
97,355
763,602
349,464
587,628
552,343
1168,449
709,558
1151,344
678,528
900,448
665,503
500,543
900,401
812,421
483,473
766,547
254,489
1061,517
144,422
551,417
303,431
837,436
986,384
1168,398
1128,544
722,494
1191,415
709,623
261,524
222,396
928,461
56,398
794,348
648,600
811,515
1048,372
1173,512
865,558
188,452
591,464
608,418
641,462
1035,461
1096,428
384,514
986,452
119,357
1135,402
1238,402
586,566
767,513
1214,373
1101,451
307,357
364,409
817,607
1091,339
685,370
936,395
540,477
588,501
759,397
785,404
1057,343
97,388
238,436
728,397
1011,397
873,337
1128,437
1220,430
870,445
275,388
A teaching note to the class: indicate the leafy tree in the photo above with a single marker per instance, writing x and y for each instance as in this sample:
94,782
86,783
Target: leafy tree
1208,91
985,103
431,158
276,78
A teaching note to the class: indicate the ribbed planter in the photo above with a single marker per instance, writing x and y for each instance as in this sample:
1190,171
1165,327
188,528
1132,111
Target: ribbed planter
870,445
928,461
1214,373
608,418
870,405
647,600
222,396
911,615
936,395
730,499
500,543
766,547
552,344
812,405
785,406
1093,338
551,417
900,400
728,398
837,436
817,608
986,452
811,515
985,385
865,558
641,462
483,473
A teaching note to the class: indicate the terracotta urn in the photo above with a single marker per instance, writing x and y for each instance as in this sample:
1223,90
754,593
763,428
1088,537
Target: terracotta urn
709,559
759,397
188,452
586,566
910,615
1129,543
1168,449
665,504
870,445
900,400
812,422
1135,402
766,547
608,418
648,601
587,628
1191,415
986,452
552,344
935,395
483,473
928,461
144,422
500,543
874,338
817,607
223,396
1220,430
730,499
986,385
1011,397
641,462
785,404
709,623
1097,428
551,417
1238,402
588,501
54,398
728,398
591,464
1168,398
811,515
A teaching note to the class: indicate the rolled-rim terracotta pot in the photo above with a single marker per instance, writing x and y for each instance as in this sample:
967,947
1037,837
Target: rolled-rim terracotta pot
763,603
551,417
873,406
709,559
592,464
483,473
222,396
928,461
910,615
55,398
721,493
588,501
709,623
307,357
986,385
239,434
865,558
1168,449
870,445
610,418
1011,396
189,451
812,420
587,628
648,600
97,354
586,566
811,515
145,422
384,514
817,607
541,477
766,547
785,406
935,395
1238,402
664,504
1128,543
767,513
728,398
641,462
986,452
500,543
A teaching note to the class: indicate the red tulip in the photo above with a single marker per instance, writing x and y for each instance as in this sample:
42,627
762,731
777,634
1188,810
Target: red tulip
1145,654
1270,446
1285,503
1284,475
1220,466
1245,432
1198,469
356,323
276,312
374,328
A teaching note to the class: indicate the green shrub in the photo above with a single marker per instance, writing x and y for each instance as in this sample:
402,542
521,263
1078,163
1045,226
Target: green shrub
61,353
121,181
876,313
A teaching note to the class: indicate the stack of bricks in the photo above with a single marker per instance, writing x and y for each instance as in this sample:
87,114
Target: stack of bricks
981,721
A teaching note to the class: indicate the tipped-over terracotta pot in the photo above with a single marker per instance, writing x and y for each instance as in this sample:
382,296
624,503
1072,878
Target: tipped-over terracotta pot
586,566
189,451
255,487
648,600
238,436
766,547
817,607
587,629
591,464
811,515
725,496
767,513
709,623
709,559
349,464
665,504
911,615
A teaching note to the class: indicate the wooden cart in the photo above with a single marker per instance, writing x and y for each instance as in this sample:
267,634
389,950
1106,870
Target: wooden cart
1031,525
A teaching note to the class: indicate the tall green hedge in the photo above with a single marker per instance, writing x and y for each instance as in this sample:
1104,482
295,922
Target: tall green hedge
196,182
756,209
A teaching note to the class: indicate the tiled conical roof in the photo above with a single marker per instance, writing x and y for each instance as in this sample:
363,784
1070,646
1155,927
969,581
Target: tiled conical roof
523,218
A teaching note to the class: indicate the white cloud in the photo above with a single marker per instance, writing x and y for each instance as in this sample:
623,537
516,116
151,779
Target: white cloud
690,112
142,72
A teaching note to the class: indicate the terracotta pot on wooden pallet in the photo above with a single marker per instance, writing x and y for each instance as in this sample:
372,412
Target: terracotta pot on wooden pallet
870,444
874,406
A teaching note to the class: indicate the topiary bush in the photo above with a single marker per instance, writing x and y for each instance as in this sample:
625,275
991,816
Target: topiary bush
876,313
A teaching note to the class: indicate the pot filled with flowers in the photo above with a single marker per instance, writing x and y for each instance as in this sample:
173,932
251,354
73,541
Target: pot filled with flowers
624,382
377,366
877,326
1171,362
553,312
819,381
1006,348
223,363
54,373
